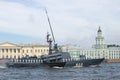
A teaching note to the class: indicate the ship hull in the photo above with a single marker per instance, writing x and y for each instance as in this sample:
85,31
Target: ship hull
19,65
85,63
72,63
56,64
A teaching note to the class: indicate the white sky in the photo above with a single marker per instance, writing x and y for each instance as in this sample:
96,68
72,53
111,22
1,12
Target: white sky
73,21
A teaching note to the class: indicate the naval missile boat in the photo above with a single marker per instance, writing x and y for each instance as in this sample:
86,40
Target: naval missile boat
55,57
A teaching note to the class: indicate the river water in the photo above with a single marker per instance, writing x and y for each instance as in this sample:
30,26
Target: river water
106,71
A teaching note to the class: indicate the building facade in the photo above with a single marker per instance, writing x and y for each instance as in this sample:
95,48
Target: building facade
100,50
10,50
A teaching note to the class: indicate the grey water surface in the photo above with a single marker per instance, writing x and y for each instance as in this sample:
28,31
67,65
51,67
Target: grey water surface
106,71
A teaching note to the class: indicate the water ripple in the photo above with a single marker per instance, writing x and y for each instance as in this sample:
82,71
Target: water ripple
106,71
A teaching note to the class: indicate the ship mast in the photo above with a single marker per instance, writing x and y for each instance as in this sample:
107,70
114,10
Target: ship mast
49,39
50,25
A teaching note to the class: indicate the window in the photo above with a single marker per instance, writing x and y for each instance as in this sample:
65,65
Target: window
10,50
18,50
3,56
14,50
7,50
23,51
11,56
18,56
31,51
44,50
27,51
6,56
3,50
36,51
14,57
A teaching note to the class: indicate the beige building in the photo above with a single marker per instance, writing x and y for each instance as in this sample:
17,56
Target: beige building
10,50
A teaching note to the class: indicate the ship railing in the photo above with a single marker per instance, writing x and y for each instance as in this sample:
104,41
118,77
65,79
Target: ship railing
72,59
26,61
67,60
41,61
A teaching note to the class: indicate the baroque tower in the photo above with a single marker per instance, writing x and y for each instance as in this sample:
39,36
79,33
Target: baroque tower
100,40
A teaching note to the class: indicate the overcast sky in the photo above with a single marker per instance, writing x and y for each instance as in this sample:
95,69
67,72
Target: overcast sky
73,21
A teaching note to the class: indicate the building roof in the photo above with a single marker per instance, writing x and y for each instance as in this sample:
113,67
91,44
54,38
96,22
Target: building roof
8,44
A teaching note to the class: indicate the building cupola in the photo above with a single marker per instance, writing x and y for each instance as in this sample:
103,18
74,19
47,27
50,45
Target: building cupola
99,30
99,40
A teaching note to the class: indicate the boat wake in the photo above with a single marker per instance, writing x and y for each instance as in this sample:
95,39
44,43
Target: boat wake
3,67
56,67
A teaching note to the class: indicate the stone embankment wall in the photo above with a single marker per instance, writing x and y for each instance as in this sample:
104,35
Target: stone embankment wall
112,60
